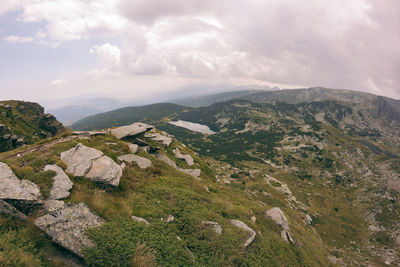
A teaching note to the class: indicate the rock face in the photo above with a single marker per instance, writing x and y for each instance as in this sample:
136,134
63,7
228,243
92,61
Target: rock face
91,163
244,227
131,130
164,139
186,157
142,162
216,227
66,226
79,159
8,209
61,185
13,188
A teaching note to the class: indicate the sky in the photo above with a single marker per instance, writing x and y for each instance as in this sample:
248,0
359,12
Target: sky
55,49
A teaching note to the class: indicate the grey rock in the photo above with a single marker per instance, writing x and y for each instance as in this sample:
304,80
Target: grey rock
216,227
308,219
79,159
278,217
194,172
189,160
244,227
131,130
140,219
89,133
15,189
8,209
164,139
61,185
67,226
287,237
105,170
53,205
170,219
142,162
133,148
145,149
91,163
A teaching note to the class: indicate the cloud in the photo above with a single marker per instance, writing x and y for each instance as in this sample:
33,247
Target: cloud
340,44
18,39
58,82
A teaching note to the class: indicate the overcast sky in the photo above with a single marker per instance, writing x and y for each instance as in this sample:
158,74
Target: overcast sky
53,49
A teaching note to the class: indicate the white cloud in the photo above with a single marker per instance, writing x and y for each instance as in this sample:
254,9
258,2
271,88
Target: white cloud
58,82
18,39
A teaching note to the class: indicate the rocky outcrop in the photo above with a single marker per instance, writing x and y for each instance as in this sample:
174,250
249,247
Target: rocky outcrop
164,139
8,209
61,185
142,162
67,225
186,157
216,227
92,164
194,172
12,188
53,205
131,130
244,227
279,218
140,219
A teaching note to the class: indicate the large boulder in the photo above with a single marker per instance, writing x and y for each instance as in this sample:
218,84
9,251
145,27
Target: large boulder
12,188
67,225
91,163
131,130
79,159
189,160
244,227
61,185
142,162
105,170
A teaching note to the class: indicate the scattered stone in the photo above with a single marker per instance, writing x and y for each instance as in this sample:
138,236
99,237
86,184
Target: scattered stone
133,148
105,170
194,172
244,227
123,165
61,185
8,209
170,219
189,160
164,139
53,205
13,188
145,149
139,219
142,162
67,226
79,159
216,227
206,188
131,130
253,219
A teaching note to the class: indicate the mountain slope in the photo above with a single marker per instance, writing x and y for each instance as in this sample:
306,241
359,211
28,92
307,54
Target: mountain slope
25,123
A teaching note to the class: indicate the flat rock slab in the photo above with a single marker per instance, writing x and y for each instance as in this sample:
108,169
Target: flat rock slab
61,185
92,164
15,189
67,226
142,162
8,209
131,130
244,227
189,160
194,172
